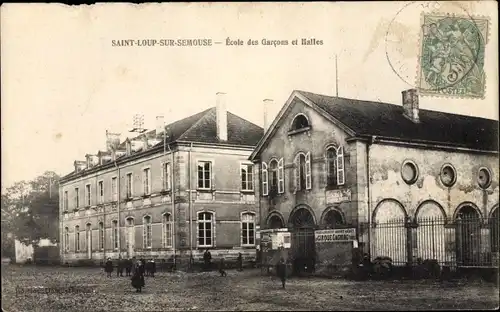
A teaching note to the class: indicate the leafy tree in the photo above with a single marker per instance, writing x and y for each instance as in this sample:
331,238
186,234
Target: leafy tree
31,209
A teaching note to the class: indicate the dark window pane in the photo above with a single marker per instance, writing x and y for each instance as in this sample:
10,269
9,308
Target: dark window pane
207,175
245,226
251,240
243,184
208,241
207,166
250,226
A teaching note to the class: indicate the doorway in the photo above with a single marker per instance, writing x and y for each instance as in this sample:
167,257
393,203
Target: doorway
303,245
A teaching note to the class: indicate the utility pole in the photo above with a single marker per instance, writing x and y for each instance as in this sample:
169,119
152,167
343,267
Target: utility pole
336,77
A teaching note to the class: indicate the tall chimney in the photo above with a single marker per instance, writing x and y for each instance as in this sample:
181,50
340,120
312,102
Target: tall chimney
410,105
160,125
221,116
267,103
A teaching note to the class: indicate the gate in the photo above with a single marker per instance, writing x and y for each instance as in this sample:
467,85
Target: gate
303,247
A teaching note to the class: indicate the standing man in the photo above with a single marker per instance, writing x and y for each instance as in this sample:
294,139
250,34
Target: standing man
108,267
281,271
240,262
207,258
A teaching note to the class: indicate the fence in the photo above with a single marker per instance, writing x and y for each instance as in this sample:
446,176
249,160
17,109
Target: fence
467,242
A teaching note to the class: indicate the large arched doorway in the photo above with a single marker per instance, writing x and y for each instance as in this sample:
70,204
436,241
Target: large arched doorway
302,225
431,233
468,236
389,232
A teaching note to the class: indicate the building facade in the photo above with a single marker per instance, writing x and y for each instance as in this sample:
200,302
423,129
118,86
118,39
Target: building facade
333,163
177,191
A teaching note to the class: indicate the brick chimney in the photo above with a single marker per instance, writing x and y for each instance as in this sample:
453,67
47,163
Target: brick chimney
267,104
221,116
410,105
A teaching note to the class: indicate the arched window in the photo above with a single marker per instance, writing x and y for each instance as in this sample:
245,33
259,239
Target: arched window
66,238
300,122
303,171
77,238
147,233
248,229
167,231
101,236
205,229
273,176
335,166
114,228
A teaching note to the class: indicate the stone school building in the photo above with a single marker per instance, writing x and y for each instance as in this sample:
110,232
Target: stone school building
177,190
392,179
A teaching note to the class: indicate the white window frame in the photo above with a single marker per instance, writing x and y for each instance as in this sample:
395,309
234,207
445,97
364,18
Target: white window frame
100,191
308,171
212,229
211,180
167,230
88,195
129,186
146,175
114,234
114,189
65,200
77,238
166,175
77,197
265,179
331,181
147,231
246,165
281,176
66,238
245,232
101,235
340,165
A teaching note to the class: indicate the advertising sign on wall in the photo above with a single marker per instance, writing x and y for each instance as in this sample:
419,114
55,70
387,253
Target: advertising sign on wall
335,235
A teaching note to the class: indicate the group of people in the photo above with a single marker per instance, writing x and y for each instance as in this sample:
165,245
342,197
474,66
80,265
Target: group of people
137,269
207,260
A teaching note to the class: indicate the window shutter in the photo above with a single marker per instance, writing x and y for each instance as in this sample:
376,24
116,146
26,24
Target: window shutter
308,171
281,177
340,166
296,172
265,189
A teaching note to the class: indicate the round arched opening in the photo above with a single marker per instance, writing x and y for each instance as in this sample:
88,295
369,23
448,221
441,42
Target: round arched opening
303,245
468,236
333,219
275,222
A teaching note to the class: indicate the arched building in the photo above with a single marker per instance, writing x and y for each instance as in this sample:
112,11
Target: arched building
414,183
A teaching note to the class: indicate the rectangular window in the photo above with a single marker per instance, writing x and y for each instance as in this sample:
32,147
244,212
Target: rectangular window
101,192
308,171
66,238
115,234
129,185
87,194
166,176
205,227
281,176
204,175
248,229
114,188
77,238
77,198
167,231
147,234
246,177
65,201
101,235
146,181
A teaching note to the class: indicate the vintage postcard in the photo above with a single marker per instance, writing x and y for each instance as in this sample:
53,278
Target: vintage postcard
250,156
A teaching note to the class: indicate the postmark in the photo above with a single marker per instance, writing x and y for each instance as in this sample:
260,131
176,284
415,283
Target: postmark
408,47
451,59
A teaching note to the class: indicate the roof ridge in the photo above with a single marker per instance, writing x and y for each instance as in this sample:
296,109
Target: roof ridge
246,120
378,102
204,116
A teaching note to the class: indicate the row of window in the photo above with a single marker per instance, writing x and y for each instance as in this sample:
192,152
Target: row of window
205,177
273,177
447,175
206,232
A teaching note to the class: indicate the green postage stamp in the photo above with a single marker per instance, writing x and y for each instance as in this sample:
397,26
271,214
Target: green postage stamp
451,61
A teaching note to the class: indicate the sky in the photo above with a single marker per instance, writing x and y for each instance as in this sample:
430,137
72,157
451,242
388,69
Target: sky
64,84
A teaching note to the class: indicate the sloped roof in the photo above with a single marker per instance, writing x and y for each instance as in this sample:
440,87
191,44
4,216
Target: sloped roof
202,128
387,120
